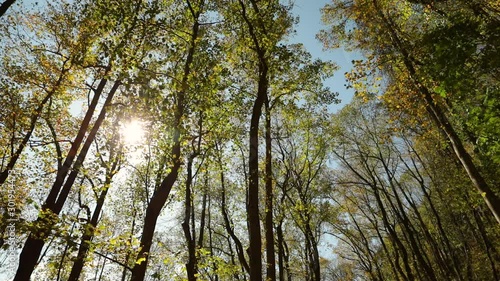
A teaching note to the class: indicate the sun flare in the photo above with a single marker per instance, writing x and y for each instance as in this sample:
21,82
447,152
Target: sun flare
132,132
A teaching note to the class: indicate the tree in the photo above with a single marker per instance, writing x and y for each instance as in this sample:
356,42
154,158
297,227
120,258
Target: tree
388,191
389,32
68,172
160,195
263,34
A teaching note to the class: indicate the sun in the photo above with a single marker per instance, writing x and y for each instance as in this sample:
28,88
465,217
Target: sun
132,132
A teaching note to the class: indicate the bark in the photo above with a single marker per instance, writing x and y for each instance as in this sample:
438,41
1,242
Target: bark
188,225
281,251
405,222
371,216
448,251
253,195
191,265
367,251
227,224
203,215
283,255
283,259
210,241
394,238
312,245
61,199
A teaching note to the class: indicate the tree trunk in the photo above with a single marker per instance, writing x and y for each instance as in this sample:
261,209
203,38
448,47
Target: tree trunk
254,231
160,195
270,254
152,212
281,251
5,6
255,250
227,224
89,227
35,242
191,265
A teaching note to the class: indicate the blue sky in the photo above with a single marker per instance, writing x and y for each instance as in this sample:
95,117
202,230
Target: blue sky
309,25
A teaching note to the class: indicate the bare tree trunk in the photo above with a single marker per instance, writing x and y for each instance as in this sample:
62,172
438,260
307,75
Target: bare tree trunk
227,224
281,251
191,267
254,229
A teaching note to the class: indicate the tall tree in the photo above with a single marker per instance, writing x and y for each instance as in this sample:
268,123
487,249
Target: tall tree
193,11
390,31
263,35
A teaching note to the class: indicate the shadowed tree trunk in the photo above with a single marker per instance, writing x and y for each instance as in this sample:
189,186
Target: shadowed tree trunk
270,254
5,6
254,229
227,223
88,235
161,194
188,225
59,192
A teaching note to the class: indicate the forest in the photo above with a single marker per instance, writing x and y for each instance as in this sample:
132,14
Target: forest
193,140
